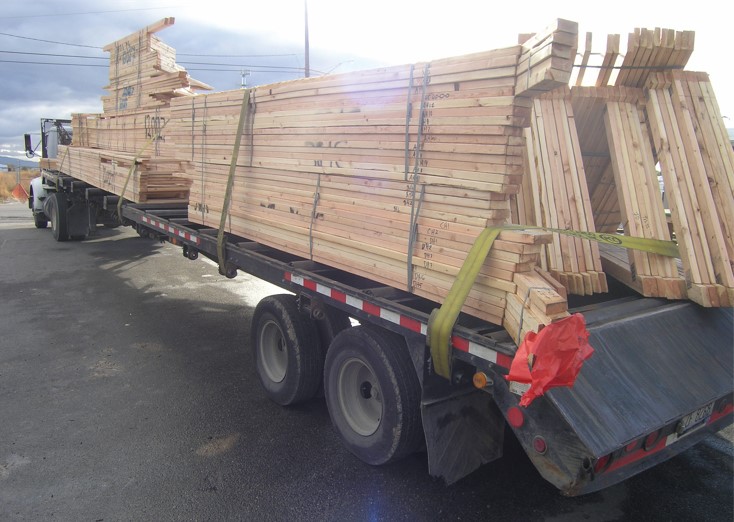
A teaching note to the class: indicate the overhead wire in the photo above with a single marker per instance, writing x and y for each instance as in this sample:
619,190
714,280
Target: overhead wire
231,67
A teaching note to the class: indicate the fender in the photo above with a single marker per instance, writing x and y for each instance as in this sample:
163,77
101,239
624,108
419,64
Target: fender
38,194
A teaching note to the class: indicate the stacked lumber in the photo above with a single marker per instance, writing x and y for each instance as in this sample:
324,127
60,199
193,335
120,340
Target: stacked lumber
127,138
390,173
697,167
143,72
150,179
123,131
614,139
48,163
639,197
560,195
547,58
648,51
539,299
651,51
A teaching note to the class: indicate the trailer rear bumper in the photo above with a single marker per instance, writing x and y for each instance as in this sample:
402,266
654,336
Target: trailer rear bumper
660,380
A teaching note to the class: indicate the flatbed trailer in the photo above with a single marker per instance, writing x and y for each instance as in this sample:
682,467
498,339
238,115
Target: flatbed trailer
659,381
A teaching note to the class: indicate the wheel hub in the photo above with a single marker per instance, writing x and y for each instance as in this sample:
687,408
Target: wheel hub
359,396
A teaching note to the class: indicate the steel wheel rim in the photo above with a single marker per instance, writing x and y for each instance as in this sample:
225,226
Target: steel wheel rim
273,351
360,397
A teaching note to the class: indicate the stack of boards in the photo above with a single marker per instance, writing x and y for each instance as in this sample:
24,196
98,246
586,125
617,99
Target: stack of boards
393,173
121,149
389,173
619,130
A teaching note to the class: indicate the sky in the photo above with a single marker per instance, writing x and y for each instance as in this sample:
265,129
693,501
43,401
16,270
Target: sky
216,40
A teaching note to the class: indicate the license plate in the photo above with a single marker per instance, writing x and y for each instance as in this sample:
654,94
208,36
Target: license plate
692,420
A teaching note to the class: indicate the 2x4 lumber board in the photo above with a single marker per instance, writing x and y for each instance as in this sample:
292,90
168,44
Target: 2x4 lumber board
717,154
542,296
546,215
570,181
637,183
556,185
581,196
651,51
584,59
390,270
547,58
702,189
609,61
685,209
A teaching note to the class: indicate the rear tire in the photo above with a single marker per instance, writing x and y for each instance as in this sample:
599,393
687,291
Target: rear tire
288,355
373,395
57,207
40,220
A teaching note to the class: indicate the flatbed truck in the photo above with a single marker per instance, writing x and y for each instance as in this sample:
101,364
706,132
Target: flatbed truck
659,381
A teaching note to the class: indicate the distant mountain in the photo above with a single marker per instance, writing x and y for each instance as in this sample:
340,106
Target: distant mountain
8,160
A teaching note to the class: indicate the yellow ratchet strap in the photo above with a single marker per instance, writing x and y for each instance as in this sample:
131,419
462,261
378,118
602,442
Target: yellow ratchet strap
230,180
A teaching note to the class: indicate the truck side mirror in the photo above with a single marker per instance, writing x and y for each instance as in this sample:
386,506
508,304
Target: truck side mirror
28,146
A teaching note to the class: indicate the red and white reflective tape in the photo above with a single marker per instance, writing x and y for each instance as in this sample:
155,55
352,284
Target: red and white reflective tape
459,343
664,442
170,228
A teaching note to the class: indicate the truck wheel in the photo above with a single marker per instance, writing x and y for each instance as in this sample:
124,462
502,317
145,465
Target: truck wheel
373,395
40,220
287,351
59,217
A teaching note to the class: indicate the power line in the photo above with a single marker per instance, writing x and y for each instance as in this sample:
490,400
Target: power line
242,65
260,68
271,69
55,63
177,53
238,55
58,55
238,70
50,41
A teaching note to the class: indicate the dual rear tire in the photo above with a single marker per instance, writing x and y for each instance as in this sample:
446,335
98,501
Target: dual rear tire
371,388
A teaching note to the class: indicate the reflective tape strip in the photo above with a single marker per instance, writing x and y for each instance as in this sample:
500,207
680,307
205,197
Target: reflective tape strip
414,325
170,228
664,442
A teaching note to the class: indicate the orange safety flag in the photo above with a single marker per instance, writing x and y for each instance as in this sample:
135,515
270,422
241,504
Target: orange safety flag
19,193
553,357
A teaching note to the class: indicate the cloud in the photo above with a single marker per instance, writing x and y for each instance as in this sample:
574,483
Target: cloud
342,35
32,91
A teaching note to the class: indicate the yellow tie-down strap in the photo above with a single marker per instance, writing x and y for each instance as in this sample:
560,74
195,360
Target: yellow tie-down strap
442,320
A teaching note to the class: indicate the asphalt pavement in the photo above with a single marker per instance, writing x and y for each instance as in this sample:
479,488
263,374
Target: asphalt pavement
128,392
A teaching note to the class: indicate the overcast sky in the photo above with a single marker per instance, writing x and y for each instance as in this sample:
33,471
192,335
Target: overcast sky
266,38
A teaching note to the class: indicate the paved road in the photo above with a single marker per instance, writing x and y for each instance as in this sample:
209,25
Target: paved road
127,392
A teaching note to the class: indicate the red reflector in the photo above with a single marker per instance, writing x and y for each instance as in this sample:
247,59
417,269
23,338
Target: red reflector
631,446
515,417
539,445
651,440
602,463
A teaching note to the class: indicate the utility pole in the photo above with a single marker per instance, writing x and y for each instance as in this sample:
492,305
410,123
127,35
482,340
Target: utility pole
308,71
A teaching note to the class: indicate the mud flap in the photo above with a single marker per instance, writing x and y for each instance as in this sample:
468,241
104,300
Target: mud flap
463,431
80,219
